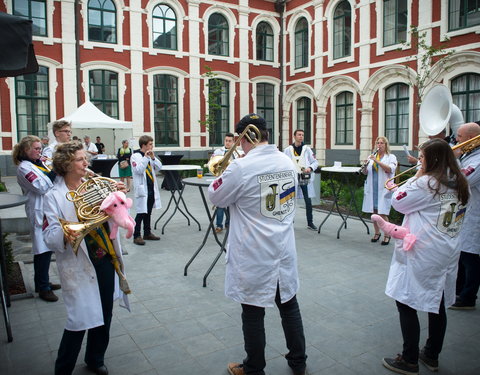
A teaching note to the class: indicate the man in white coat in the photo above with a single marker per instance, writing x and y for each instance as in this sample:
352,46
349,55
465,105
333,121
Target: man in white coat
261,260
62,130
147,196
305,164
470,234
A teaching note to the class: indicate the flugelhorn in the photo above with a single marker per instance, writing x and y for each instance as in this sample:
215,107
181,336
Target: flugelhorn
217,164
87,199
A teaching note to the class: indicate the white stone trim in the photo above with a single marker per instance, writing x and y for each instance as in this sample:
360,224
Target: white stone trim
290,34
181,20
272,21
232,24
381,50
328,14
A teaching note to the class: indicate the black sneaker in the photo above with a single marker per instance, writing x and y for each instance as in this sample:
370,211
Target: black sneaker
399,365
459,305
431,364
312,226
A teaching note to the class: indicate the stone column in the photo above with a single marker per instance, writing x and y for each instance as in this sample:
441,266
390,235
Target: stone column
366,130
321,136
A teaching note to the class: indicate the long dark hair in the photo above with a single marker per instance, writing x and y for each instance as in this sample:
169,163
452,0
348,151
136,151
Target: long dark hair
440,163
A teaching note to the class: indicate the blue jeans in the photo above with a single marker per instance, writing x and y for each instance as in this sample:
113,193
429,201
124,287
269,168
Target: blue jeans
220,214
254,336
308,203
41,265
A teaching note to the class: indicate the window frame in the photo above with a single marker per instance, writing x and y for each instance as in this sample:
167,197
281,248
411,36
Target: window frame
104,101
301,51
30,16
164,20
264,46
167,103
218,33
344,107
36,127
102,27
468,113
398,100
217,135
343,32
396,28
263,109
306,124
465,24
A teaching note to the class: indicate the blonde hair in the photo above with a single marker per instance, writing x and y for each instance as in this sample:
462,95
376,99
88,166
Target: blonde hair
19,152
64,155
387,144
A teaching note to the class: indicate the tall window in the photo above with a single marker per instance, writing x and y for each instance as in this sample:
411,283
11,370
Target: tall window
164,27
394,21
165,110
35,10
463,13
264,42
104,91
32,103
466,95
396,113
344,118
301,44
102,21
217,35
342,30
221,114
304,113
266,107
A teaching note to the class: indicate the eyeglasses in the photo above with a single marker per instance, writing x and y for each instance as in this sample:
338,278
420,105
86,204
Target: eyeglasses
37,148
65,131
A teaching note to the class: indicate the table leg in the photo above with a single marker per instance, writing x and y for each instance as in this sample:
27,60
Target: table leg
165,211
186,209
334,204
222,249
4,288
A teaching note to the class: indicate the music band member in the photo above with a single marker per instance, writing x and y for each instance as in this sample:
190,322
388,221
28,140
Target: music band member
261,260
376,198
62,131
90,283
35,180
469,243
306,164
147,196
423,278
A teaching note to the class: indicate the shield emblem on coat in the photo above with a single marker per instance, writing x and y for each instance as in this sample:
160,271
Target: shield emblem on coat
277,192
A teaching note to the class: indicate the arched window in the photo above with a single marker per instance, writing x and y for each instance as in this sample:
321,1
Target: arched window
395,18
104,91
165,110
102,21
301,43
304,114
217,35
32,99
344,118
266,106
164,23
221,111
342,30
396,113
463,14
466,95
264,42
35,10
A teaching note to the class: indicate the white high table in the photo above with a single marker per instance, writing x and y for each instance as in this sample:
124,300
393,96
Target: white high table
178,187
349,174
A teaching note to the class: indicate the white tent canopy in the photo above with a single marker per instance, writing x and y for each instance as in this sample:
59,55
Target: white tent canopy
89,120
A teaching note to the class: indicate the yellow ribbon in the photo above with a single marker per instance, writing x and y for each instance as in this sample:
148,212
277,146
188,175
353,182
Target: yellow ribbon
100,236
375,165
148,171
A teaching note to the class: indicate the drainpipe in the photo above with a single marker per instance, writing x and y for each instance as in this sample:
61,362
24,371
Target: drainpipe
280,8
77,52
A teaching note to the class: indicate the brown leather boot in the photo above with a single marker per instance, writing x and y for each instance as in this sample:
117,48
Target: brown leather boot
48,295
151,237
138,241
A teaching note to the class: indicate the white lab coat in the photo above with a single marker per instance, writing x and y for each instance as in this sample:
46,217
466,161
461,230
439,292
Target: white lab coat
261,243
222,151
418,277
80,290
384,195
139,165
307,160
34,184
470,234
49,150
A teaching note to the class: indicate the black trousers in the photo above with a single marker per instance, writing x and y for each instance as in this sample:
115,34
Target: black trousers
98,337
146,218
470,284
437,325
254,336
41,265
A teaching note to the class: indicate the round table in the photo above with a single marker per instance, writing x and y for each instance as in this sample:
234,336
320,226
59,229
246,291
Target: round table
7,200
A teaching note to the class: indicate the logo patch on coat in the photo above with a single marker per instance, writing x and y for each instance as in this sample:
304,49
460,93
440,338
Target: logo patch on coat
451,214
277,192
217,183
401,195
31,176
468,171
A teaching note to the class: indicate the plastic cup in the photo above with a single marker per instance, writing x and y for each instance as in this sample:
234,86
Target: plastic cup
199,173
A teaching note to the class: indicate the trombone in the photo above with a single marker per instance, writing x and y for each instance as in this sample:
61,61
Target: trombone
467,146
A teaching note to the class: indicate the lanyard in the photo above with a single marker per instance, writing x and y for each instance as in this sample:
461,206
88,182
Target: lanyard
148,171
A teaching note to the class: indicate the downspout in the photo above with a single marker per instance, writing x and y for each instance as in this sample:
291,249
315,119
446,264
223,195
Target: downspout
280,8
77,53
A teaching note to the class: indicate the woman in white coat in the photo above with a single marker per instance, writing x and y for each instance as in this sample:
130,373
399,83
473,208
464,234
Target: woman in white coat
35,180
424,278
90,284
376,199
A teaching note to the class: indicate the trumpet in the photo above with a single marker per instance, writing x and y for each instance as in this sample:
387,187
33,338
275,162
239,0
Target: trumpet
467,146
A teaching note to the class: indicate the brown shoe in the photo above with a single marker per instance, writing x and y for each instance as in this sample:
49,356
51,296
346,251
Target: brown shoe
138,241
55,286
151,237
218,229
48,295
235,369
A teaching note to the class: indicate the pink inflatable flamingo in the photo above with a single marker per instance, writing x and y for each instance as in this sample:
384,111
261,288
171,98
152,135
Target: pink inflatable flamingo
116,206
396,231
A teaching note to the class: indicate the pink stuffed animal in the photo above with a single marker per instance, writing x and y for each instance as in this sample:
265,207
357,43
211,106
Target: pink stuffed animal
396,231
116,206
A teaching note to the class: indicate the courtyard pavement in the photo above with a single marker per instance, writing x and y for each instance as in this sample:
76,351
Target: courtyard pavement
179,327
